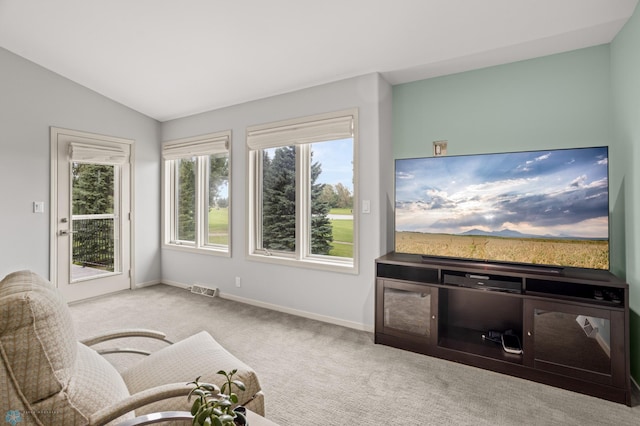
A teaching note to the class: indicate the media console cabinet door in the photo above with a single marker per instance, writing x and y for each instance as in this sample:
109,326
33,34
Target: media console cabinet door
407,310
582,342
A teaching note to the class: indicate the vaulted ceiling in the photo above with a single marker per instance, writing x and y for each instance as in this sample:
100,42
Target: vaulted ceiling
173,58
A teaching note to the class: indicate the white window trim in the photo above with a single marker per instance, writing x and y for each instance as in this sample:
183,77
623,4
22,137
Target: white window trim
266,136
197,146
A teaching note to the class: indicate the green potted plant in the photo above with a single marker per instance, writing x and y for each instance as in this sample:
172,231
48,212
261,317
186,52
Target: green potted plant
214,406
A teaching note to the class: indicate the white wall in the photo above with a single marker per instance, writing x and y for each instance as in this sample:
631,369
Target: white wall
31,100
337,297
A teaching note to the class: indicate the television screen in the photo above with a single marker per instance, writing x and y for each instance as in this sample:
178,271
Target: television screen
546,208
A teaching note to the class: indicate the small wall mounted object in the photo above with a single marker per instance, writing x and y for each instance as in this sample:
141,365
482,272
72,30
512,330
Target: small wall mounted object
439,148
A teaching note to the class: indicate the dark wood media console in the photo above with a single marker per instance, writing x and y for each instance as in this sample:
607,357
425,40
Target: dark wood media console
573,324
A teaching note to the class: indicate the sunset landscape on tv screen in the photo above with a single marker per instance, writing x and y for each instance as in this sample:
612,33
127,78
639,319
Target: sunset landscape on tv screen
540,207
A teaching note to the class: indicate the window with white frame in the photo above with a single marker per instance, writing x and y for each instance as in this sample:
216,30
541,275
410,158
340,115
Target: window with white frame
197,196
302,191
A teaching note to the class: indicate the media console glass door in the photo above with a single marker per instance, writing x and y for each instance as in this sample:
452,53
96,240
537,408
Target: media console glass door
408,310
575,340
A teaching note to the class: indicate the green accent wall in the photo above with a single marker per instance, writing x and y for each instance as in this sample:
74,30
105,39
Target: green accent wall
586,97
625,89
555,101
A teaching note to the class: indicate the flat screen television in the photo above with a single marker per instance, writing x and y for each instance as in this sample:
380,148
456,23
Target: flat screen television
548,208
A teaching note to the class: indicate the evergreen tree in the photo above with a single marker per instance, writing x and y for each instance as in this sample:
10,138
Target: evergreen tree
279,205
92,188
92,193
279,200
186,200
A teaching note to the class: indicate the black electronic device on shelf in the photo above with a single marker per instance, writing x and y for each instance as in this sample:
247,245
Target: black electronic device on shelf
483,281
511,343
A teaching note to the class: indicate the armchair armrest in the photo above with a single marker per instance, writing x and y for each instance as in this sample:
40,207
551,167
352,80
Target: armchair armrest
160,417
120,334
140,399
130,332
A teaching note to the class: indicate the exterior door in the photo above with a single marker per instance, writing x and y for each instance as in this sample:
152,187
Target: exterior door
90,224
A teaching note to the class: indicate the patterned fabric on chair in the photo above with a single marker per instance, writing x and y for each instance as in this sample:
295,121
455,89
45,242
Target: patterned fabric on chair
49,378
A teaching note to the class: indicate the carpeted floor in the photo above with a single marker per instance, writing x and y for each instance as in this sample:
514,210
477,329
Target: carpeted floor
314,373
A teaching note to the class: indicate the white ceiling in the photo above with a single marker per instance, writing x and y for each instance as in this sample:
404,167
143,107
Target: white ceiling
173,58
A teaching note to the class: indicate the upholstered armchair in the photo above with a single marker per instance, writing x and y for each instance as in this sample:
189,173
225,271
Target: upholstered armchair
48,377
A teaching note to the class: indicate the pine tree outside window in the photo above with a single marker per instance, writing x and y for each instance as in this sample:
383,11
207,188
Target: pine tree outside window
302,191
197,193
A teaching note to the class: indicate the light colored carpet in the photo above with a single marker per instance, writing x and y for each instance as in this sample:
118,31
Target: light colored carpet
314,373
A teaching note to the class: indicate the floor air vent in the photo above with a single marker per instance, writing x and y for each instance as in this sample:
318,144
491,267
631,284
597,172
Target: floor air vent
205,291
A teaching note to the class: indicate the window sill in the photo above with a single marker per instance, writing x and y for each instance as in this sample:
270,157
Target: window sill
198,250
309,263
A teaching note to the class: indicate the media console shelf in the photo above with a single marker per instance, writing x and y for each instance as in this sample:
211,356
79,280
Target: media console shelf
573,324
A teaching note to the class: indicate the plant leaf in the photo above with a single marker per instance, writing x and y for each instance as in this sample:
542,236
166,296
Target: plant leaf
209,387
226,418
203,415
239,384
225,403
195,407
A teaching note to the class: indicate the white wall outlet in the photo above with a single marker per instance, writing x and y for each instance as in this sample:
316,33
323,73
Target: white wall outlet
238,282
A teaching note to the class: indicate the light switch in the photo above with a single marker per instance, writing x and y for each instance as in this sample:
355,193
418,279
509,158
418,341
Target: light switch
38,206
366,206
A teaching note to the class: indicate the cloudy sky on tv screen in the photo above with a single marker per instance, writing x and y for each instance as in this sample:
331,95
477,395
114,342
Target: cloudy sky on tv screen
555,193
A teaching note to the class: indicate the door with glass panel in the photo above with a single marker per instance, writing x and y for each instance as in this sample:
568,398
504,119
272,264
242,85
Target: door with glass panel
575,340
407,310
91,226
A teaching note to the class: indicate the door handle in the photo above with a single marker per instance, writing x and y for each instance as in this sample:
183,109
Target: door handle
66,232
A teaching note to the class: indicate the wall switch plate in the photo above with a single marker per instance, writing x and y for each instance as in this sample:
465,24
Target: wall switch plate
366,206
238,281
38,206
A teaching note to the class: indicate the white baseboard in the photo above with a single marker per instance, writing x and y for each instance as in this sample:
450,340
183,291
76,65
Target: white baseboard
146,284
175,284
284,309
297,312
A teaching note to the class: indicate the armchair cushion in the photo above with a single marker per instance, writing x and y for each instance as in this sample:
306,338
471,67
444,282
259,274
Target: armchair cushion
176,364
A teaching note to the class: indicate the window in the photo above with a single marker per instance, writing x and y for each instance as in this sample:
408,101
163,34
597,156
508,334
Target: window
197,196
302,191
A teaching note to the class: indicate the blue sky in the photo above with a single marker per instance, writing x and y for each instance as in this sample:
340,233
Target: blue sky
555,192
336,158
